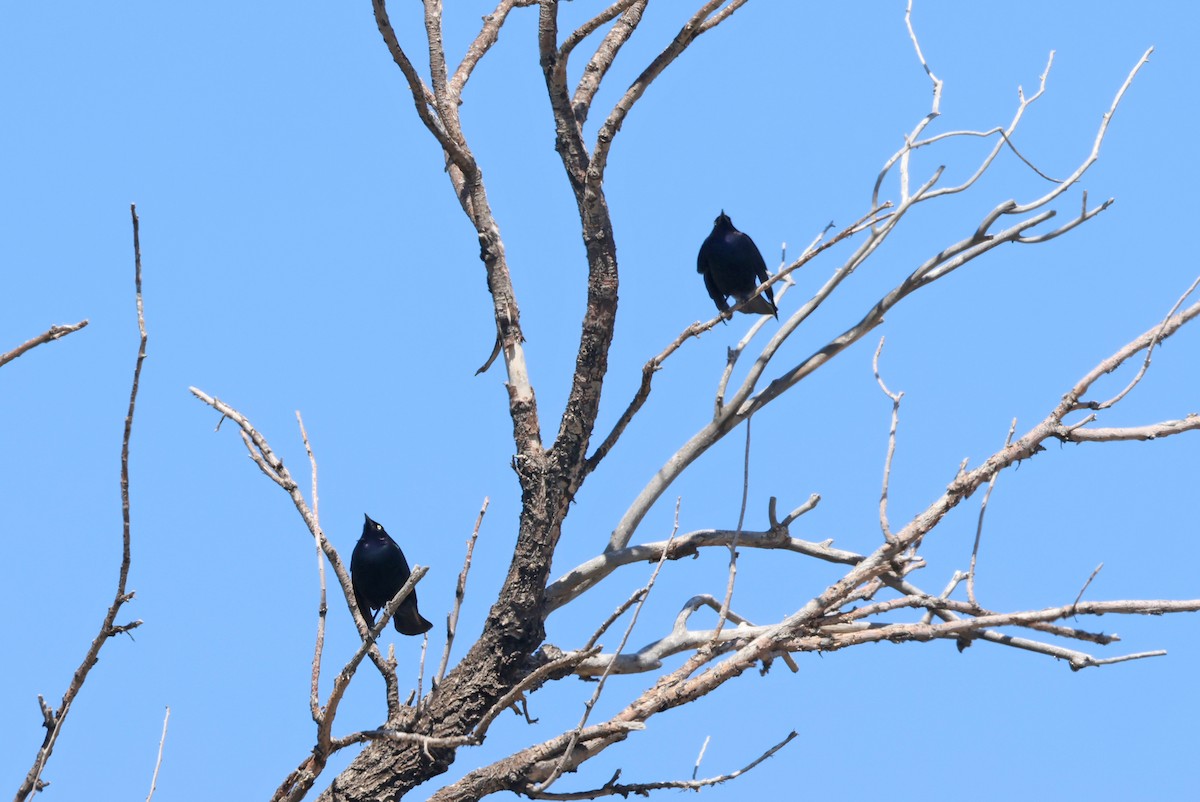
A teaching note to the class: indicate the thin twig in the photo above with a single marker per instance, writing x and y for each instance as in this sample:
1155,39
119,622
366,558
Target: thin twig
638,594
735,353
979,524
421,666
460,591
158,762
1083,589
733,544
1071,401
700,757
958,577
643,789
891,449
622,608
560,664
322,603
912,34
1149,351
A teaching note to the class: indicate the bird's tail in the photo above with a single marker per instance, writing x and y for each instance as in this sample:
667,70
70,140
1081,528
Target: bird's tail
761,305
410,622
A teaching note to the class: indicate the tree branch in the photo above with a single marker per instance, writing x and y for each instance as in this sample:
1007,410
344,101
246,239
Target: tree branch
589,574
52,333
488,36
260,451
53,720
705,19
606,52
423,97
611,788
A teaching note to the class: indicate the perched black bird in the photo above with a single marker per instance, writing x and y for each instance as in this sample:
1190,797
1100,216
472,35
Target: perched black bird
378,570
730,262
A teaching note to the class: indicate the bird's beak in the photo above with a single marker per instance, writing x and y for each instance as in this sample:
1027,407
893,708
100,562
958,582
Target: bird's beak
368,518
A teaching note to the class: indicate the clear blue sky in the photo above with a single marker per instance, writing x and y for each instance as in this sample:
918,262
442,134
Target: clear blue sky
303,250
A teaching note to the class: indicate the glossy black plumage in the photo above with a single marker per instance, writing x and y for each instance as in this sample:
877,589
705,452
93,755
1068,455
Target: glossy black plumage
732,265
378,570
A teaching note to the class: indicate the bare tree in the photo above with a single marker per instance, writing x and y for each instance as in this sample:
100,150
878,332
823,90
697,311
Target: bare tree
877,597
511,657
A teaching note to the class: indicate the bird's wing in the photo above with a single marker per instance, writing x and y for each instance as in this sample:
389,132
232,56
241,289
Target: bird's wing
364,606
704,266
713,292
356,581
398,571
702,256
752,257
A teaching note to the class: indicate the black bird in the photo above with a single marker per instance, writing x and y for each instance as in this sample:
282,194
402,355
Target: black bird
378,570
730,262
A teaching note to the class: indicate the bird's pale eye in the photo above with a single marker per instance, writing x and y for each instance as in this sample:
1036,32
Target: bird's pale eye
380,528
